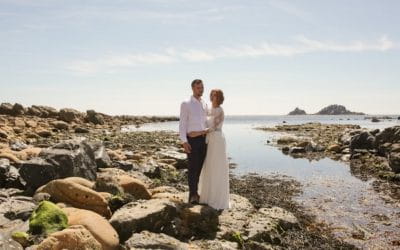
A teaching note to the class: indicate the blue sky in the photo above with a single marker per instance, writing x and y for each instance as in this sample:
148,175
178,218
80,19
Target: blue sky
139,56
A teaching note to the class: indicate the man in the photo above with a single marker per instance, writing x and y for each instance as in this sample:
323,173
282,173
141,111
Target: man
193,117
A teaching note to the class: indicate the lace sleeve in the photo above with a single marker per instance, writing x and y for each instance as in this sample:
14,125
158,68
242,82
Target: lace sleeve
208,110
218,119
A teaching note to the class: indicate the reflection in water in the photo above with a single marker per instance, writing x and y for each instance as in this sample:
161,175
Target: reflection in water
350,206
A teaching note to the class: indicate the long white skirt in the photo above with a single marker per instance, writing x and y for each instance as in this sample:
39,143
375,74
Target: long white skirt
214,177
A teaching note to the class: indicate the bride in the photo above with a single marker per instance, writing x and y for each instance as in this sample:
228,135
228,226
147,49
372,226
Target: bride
214,177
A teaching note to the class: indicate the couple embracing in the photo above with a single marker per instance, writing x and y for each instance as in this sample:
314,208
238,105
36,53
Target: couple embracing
200,130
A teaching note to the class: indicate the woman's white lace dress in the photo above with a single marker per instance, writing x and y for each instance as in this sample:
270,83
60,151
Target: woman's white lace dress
214,177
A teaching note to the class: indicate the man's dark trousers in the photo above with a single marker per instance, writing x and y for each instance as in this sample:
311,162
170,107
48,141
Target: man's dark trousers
196,159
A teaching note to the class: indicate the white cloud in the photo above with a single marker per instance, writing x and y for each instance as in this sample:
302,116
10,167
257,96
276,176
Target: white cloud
302,45
135,14
381,45
110,64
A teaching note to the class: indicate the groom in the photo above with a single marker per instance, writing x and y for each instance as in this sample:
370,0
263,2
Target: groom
193,117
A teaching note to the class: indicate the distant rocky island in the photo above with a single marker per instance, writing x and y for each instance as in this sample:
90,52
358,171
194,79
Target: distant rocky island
297,111
334,109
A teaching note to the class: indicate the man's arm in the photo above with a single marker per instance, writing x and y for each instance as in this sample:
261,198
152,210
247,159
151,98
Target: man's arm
183,120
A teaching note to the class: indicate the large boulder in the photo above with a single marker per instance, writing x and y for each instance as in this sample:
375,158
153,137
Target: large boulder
61,125
9,175
149,240
364,140
234,220
6,109
388,135
134,186
99,227
47,218
33,111
198,221
45,111
108,183
71,158
94,117
69,115
122,183
112,172
18,110
268,223
76,237
77,195
37,172
154,215
100,155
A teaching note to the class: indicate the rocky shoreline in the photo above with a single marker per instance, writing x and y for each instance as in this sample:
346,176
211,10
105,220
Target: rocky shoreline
369,153
279,191
91,119
80,184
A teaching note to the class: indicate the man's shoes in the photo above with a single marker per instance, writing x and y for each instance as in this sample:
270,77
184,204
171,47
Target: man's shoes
194,199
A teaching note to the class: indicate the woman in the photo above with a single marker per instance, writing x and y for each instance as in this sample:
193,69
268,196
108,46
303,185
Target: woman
214,177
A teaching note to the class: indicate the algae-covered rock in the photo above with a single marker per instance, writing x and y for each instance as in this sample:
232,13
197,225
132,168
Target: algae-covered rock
47,218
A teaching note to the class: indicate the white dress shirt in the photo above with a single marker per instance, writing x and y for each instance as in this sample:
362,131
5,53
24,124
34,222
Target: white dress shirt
193,117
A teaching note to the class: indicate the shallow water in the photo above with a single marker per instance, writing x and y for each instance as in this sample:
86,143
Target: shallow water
350,206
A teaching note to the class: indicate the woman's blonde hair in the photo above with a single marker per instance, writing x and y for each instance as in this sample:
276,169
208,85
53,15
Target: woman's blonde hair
219,94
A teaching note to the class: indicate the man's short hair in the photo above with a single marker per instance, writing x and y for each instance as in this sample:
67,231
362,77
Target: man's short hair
196,81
